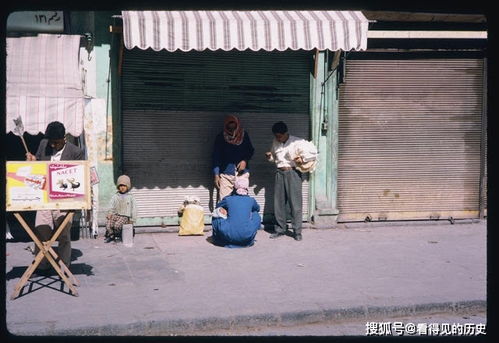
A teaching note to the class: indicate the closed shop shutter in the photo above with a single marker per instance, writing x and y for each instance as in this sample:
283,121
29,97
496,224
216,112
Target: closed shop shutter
409,139
174,104
221,81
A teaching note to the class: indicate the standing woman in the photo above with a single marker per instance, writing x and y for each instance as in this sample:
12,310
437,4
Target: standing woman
242,222
231,153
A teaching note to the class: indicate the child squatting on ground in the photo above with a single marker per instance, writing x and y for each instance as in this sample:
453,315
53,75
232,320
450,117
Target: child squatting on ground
122,209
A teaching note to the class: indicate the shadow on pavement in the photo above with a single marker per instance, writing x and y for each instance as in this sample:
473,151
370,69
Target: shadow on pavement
37,282
76,269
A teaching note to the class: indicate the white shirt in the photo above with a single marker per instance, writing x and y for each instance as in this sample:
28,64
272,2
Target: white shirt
58,154
282,152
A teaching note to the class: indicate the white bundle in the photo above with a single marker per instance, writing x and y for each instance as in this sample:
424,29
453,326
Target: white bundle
218,214
308,153
190,202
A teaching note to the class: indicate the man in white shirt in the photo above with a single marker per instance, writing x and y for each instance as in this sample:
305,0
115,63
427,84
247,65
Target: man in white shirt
288,181
54,148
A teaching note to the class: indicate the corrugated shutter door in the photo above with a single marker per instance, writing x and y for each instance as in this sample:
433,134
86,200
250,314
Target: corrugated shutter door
252,81
167,153
409,139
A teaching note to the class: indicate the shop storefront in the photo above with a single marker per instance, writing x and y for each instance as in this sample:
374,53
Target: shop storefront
182,72
43,84
174,105
412,136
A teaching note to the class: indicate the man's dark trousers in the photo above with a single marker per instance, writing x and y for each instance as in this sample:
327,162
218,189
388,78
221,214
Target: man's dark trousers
287,190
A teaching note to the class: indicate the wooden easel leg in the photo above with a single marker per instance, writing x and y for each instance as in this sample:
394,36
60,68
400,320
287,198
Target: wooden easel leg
57,268
27,274
46,251
63,267
50,252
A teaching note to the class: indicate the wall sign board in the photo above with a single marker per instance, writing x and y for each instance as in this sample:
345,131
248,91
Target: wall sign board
36,21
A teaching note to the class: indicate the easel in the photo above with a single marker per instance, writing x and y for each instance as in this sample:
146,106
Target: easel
47,251
35,180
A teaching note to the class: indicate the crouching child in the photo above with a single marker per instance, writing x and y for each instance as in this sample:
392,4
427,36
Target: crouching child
122,209
191,217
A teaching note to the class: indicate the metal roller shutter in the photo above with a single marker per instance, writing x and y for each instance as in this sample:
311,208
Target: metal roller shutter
253,81
169,125
409,139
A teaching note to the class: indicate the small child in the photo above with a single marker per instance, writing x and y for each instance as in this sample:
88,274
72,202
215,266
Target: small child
191,215
122,209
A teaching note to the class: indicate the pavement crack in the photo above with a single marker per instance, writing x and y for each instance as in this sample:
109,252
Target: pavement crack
134,280
164,253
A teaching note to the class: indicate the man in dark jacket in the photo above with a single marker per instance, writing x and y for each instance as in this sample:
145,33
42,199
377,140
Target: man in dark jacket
54,147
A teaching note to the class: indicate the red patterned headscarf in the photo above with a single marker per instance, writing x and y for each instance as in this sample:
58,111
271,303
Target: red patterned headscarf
237,136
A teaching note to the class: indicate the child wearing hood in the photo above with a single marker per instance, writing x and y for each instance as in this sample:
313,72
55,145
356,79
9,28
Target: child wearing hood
122,209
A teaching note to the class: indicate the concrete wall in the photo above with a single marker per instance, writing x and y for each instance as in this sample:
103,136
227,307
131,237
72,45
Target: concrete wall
324,122
95,61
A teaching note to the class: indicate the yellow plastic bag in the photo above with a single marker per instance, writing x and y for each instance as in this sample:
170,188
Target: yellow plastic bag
192,221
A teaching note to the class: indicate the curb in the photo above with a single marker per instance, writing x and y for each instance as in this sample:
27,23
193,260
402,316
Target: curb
347,225
180,327
406,223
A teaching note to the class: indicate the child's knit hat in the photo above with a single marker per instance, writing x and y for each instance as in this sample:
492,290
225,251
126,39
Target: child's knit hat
124,180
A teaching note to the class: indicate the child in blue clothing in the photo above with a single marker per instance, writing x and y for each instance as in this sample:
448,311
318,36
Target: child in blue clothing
243,220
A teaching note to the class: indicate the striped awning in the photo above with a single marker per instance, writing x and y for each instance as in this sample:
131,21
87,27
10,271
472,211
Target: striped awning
241,30
44,82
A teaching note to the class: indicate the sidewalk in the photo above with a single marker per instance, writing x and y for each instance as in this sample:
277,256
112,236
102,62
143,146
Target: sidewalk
171,285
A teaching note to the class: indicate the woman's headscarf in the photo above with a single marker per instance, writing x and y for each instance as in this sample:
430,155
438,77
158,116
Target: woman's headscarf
241,185
237,136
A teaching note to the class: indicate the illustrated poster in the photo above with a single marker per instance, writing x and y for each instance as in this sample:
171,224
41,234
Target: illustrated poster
66,180
47,185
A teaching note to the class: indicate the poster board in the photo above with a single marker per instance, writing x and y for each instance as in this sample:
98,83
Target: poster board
47,185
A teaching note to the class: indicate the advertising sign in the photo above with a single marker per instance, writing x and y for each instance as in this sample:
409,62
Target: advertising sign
36,21
45,185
